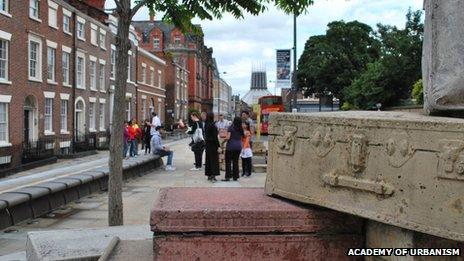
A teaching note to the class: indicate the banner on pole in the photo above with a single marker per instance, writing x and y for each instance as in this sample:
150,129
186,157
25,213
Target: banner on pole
283,69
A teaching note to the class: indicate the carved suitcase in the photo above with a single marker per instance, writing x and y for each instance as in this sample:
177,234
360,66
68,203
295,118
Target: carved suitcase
396,168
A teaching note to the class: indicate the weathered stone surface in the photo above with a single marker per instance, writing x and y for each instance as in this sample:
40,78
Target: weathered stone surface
255,247
242,210
442,65
396,168
245,224
78,243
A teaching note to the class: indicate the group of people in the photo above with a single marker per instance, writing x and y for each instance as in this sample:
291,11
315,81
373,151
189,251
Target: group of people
207,136
213,137
134,135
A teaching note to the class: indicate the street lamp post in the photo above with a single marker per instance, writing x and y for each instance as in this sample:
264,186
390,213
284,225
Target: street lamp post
295,96
219,92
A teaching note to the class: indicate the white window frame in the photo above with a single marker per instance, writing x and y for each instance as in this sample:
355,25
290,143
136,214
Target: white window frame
51,46
79,21
83,83
159,79
64,115
94,34
37,17
102,39
113,62
92,117
152,76
38,67
144,107
101,115
128,109
156,39
144,73
67,14
52,8
101,76
6,12
6,99
48,130
66,69
129,66
6,37
93,73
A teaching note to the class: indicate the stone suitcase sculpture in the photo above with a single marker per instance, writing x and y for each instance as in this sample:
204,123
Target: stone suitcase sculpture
442,62
396,168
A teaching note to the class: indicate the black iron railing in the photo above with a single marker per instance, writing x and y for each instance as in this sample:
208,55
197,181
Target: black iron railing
38,150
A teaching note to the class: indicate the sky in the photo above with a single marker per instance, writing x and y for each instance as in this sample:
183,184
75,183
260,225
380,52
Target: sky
238,45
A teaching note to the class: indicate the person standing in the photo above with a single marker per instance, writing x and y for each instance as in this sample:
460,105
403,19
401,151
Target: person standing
132,143
138,136
160,149
246,153
147,136
212,148
197,146
126,139
246,117
233,149
155,122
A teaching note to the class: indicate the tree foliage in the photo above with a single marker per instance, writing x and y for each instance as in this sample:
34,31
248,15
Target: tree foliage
378,69
418,92
331,62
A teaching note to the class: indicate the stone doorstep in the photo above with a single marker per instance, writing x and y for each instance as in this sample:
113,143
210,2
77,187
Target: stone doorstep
34,201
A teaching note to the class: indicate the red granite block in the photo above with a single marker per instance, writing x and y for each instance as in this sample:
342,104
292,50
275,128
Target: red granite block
245,224
243,210
255,247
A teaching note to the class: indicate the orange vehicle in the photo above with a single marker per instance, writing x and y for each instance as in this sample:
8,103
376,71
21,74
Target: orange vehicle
269,104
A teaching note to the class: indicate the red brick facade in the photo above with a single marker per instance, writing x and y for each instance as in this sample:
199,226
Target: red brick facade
187,52
30,122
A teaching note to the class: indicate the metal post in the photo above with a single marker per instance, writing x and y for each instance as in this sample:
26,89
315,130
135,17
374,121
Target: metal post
294,87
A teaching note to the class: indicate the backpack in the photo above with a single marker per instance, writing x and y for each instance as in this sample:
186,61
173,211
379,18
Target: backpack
198,135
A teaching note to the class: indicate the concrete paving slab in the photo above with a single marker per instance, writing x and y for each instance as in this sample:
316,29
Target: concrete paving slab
75,243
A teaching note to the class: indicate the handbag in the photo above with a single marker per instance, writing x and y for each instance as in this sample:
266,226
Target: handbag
198,135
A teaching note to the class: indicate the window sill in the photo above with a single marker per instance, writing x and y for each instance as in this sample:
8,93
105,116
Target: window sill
103,48
52,82
94,44
81,39
93,90
35,19
68,33
49,133
5,145
92,130
103,91
64,132
102,130
54,27
80,87
6,14
5,82
35,80
113,79
67,85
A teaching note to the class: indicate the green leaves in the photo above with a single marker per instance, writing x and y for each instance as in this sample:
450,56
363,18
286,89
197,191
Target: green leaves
363,67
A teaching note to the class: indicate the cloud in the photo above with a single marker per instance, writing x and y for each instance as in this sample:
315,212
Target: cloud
238,44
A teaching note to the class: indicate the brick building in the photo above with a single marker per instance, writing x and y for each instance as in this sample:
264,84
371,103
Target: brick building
57,68
151,87
185,53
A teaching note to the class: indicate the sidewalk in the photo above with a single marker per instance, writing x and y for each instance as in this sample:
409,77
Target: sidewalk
138,195
62,168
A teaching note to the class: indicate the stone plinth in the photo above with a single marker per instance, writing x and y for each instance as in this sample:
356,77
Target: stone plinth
396,168
245,224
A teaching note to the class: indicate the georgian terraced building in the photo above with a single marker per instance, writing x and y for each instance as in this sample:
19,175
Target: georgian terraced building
57,68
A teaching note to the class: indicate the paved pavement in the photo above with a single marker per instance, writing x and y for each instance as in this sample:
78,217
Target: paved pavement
138,195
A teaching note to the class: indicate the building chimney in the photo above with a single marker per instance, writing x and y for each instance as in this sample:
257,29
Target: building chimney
99,4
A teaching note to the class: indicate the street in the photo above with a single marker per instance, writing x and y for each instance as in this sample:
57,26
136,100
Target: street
91,212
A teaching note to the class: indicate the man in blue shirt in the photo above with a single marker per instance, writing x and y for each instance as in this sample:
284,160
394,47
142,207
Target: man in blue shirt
159,149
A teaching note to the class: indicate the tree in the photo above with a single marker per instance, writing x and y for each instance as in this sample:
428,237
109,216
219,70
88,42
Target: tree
180,14
392,76
418,92
331,62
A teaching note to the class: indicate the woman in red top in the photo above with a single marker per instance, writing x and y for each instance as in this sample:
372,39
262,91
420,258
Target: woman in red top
132,135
